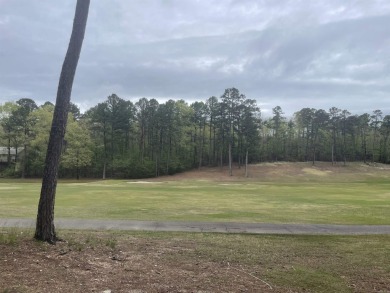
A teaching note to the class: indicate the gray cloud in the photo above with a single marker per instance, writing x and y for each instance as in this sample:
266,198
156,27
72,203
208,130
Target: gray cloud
291,53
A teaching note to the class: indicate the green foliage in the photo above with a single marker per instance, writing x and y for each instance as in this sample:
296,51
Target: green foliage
133,168
119,139
43,117
10,172
78,147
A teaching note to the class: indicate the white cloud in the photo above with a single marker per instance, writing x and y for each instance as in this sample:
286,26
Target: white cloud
288,52
366,67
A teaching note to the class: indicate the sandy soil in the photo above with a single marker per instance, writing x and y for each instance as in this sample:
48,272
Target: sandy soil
284,171
128,265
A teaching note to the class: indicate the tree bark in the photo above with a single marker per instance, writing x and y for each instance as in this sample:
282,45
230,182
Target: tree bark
9,152
104,169
45,230
202,139
230,159
105,150
23,162
332,154
246,164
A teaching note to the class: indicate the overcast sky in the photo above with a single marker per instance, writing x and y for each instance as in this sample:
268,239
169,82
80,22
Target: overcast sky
291,53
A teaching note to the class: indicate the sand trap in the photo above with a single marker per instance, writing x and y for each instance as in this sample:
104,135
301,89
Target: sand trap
88,183
8,187
143,182
316,172
229,184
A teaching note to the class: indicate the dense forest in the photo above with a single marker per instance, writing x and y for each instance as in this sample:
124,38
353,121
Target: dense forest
121,139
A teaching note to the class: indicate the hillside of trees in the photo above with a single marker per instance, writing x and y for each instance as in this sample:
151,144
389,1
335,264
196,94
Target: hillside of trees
121,139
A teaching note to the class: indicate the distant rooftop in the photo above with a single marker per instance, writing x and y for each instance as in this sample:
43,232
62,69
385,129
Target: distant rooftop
4,150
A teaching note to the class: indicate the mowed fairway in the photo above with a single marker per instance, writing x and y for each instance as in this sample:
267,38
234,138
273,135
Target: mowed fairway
273,193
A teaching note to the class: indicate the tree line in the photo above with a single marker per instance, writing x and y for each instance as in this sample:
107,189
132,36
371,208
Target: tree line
121,139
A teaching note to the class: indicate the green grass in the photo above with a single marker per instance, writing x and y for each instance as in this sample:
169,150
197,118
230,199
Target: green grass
354,200
304,263
8,236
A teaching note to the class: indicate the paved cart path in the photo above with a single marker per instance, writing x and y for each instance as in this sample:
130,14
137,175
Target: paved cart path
219,227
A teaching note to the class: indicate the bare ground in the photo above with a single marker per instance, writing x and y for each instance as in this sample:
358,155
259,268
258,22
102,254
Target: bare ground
294,171
126,265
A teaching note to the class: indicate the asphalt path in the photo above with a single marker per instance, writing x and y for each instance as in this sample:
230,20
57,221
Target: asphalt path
204,227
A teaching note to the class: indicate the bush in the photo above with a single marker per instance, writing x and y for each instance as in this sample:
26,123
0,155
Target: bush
9,172
133,169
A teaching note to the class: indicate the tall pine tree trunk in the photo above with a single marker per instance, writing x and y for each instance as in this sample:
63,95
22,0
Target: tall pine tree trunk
202,144
23,161
104,169
105,151
246,163
230,158
45,230
210,145
9,152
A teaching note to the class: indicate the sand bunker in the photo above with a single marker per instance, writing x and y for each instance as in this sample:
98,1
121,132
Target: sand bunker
143,182
311,171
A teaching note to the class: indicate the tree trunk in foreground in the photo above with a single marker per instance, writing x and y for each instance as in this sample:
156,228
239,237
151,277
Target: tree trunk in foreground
45,230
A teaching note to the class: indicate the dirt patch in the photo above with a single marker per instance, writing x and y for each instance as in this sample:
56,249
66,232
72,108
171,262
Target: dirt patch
284,171
316,172
143,182
97,184
127,265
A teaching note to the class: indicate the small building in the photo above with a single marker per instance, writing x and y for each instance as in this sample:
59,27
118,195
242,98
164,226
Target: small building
13,152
